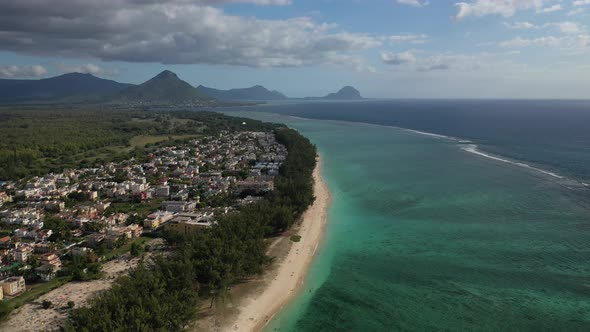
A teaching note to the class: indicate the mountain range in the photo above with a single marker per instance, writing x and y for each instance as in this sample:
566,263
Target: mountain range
71,87
257,92
166,88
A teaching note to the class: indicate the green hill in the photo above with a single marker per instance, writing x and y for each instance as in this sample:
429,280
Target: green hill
165,88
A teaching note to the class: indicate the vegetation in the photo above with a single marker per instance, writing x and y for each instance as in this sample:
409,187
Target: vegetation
163,295
295,238
40,140
46,304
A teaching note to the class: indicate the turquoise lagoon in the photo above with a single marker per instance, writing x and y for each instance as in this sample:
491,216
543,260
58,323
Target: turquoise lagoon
424,236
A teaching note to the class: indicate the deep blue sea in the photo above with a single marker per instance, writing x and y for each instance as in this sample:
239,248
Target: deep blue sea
551,133
447,216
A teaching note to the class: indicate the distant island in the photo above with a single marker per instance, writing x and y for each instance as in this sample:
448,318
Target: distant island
164,89
346,93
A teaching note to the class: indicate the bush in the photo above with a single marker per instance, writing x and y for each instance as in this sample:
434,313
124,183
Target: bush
46,304
71,304
295,238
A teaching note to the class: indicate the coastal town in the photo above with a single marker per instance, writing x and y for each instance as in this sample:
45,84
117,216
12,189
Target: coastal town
67,225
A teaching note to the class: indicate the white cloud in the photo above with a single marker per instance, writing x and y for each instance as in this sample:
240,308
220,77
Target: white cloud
572,44
576,11
412,39
549,41
175,32
521,25
578,3
88,68
456,62
504,8
550,9
568,27
414,3
397,59
22,71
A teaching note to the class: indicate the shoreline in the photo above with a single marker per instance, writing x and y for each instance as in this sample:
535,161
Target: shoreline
257,310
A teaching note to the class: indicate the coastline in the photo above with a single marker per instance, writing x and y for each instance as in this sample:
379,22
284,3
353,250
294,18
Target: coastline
256,310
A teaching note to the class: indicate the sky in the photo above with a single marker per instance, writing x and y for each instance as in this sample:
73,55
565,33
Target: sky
384,48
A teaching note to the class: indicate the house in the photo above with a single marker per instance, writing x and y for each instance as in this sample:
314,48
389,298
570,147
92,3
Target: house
94,239
55,206
81,251
256,185
93,195
22,232
5,242
42,248
50,259
22,254
43,235
135,230
13,286
45,272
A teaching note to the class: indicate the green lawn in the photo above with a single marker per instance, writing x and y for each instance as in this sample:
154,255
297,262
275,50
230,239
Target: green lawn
141,141
126,247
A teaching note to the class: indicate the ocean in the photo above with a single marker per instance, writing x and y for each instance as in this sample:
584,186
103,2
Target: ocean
447,215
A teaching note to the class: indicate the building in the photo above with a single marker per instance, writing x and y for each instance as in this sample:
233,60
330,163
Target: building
13,286
156,219
22,254
188,223
177,206
162,191
255,185
46,272
51,259
81,251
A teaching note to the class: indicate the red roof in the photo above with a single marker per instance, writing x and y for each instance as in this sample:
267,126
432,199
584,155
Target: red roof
5,239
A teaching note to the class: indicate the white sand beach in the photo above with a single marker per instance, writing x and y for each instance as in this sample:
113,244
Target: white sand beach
256,310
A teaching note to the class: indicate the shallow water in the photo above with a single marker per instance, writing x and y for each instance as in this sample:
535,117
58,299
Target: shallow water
423,235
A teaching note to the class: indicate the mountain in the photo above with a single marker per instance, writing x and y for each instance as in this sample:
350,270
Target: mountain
346,93
74,87
256,92
164,88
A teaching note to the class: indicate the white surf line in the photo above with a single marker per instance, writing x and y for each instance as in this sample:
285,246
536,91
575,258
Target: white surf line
465,144
472,148
429,134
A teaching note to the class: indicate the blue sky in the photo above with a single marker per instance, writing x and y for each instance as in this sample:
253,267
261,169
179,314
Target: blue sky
385,48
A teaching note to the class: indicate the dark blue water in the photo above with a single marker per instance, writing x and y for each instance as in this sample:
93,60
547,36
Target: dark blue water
553,135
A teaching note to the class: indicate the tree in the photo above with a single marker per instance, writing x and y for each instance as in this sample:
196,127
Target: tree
46,304
136,250
71,304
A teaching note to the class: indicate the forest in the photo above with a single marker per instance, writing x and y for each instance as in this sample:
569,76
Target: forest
162,294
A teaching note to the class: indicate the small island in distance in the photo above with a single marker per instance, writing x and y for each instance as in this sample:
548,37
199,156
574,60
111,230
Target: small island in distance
346,93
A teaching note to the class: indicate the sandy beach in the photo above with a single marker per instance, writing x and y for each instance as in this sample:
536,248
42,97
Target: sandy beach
280,286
